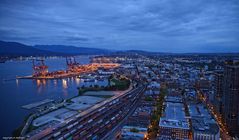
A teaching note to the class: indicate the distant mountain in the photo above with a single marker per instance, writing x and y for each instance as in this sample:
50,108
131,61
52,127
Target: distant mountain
72,49
18,49
141,52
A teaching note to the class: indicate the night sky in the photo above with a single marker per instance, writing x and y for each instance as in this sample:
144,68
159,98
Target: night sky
153,25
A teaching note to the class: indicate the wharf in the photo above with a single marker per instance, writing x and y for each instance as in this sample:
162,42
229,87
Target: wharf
49,77
37,104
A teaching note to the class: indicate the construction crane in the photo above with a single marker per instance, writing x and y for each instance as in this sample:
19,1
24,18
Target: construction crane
39,68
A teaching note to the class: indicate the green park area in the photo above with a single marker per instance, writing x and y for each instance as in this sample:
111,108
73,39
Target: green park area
114,85
119,84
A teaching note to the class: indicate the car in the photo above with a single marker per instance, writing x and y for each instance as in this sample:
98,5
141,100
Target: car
100,121
101,109
56,134
67,135
74,124
107,122
90,120
82,132
80,126
77,116
112,118
61,138
73,131
70,126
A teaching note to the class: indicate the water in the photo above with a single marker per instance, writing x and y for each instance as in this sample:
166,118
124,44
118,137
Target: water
16,93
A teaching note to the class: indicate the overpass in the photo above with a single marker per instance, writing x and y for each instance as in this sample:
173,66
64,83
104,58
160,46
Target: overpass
95,122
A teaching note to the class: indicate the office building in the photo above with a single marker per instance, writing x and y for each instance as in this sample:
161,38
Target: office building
231,96
218,90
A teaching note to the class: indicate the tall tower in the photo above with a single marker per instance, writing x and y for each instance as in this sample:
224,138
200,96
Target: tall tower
218,90
231,96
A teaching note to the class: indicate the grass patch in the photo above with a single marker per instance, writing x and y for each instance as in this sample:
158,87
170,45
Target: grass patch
115,84
148,98
134,130
119,84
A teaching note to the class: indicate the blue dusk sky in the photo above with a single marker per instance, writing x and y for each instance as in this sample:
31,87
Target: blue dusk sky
152,25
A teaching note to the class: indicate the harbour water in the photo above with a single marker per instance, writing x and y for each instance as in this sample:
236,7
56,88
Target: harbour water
16,93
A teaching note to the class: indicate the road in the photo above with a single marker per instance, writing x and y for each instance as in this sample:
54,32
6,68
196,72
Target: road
217,117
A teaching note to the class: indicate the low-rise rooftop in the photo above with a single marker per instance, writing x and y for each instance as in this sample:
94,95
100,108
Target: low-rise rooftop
176,99
174,116
202,121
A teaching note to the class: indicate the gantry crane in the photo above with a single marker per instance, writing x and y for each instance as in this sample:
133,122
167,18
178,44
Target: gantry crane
39,68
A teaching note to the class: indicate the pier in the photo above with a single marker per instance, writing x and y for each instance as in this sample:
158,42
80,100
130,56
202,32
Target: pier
37,104
40,70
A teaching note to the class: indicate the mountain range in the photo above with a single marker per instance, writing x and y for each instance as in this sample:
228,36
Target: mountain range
19,49
14,49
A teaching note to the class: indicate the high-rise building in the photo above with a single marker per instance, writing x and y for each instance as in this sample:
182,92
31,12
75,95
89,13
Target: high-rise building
231,96
218,90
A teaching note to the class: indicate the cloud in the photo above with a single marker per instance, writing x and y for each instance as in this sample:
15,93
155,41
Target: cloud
158,25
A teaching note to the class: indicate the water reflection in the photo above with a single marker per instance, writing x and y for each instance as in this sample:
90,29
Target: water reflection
77,81
63,87
48,83
41,82
64,83
55,83
17,82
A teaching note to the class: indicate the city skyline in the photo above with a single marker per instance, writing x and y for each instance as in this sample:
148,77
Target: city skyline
161,26
119,70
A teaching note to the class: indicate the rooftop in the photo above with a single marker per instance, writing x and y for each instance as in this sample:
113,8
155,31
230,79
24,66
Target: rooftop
37,104
200,125
127,132
174,116
202,121
175,99
199,110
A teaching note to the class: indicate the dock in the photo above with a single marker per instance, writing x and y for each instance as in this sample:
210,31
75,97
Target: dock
62,76
37,104
73,72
